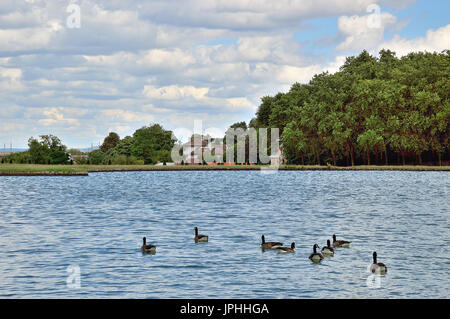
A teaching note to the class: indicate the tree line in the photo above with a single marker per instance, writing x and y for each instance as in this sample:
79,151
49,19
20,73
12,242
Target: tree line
48,149
148,145
384,110
374,110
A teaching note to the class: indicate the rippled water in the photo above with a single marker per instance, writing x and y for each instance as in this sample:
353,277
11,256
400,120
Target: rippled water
97,223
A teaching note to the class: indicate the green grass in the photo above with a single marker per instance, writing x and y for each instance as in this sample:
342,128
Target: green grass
32,169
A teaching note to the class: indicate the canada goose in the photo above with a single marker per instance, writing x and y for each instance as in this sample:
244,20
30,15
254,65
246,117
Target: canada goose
378,268
287,249
147,248
269,244
199,238
328,250
315,256
340,243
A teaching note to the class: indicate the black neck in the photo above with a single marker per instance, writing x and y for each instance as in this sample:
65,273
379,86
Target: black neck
263,239
196,231
314,249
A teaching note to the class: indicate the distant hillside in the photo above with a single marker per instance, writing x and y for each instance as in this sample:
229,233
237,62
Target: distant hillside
88,149
13,150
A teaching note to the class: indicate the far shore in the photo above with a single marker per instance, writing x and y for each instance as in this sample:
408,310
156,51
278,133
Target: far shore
84,170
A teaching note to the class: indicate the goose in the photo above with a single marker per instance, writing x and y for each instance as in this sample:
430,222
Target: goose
328,250
147,248
315,256
287,249
378,268
340,243
269,244
199,238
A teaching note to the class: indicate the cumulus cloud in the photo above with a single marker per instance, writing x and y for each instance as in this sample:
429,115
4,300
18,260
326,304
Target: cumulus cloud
133,62
253,14
174,92
10,79
434,41
363,32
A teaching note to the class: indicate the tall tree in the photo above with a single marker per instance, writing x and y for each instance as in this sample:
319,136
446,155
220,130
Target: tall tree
110,142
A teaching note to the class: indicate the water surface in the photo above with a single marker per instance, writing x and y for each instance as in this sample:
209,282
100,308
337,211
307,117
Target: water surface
97,223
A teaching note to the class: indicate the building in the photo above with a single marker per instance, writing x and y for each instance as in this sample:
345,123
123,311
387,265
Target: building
193,150
78,158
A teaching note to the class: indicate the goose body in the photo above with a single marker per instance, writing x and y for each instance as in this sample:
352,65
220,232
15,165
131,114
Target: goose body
315,256
147,248
328,250
200,238
269,244
340,243
287,249
376,267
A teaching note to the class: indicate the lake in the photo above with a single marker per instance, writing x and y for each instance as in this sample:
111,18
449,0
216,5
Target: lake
56,230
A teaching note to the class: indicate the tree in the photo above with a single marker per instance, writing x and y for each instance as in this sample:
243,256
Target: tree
58,157
110,142
96,157
241,125
75,151
38,152
264,111
373,108
150,139
47,151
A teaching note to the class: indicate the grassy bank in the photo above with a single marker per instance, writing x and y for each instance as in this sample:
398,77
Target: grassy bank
83,170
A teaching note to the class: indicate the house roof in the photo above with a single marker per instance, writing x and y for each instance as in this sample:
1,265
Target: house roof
195,142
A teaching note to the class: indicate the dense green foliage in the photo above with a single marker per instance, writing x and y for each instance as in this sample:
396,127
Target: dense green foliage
110,142
374,110
47,150
148,145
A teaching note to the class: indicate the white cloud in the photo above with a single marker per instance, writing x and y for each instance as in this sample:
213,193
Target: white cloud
56,116
126,116
10,79
191,96
434,40
363,32
174,92
134,62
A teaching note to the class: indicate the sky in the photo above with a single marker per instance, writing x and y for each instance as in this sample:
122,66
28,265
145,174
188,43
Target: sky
80,69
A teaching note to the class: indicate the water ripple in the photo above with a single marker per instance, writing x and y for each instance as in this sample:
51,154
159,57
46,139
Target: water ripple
97,223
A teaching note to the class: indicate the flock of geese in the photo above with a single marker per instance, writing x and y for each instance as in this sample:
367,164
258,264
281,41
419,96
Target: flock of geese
316,257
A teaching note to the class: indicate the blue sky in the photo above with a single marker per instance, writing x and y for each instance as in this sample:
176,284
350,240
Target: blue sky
132,63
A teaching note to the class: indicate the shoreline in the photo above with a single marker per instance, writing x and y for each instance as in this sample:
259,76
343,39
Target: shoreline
84,170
